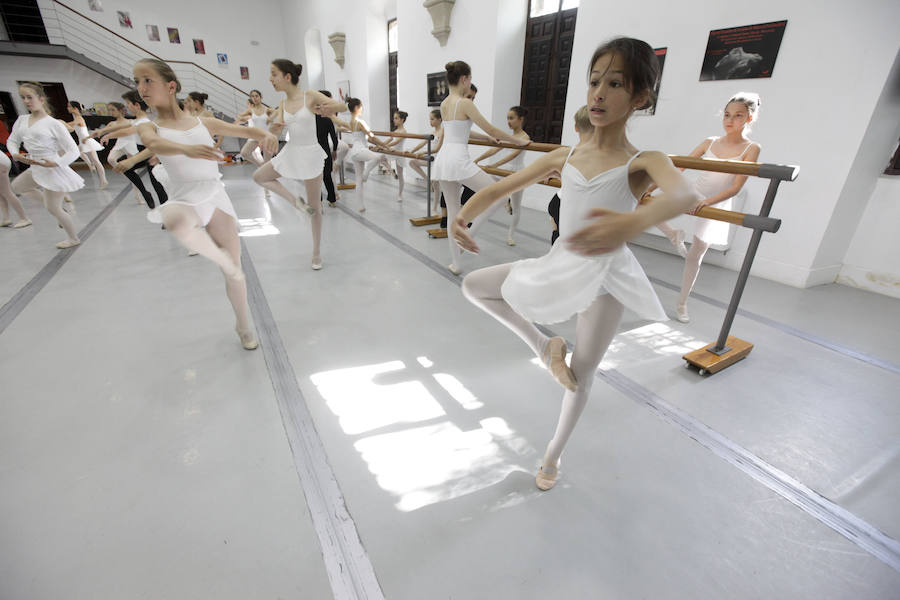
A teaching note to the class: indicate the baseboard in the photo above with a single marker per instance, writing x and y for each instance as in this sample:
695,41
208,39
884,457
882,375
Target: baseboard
871,281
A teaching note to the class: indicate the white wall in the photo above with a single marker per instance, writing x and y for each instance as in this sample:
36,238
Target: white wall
872,261
226,26
834,60
81,84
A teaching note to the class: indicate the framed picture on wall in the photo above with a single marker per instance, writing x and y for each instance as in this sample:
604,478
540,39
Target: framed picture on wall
438,88
245,73
222,58
343,90
747,52
174,38
95,5
661,57
198,47
101,109
153,33
124,19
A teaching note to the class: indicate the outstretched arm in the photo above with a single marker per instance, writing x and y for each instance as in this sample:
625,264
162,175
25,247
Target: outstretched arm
471,111
158,145
267,141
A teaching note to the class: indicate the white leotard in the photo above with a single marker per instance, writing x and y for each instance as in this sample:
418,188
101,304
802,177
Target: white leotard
302,157
45,139
453,162
86,143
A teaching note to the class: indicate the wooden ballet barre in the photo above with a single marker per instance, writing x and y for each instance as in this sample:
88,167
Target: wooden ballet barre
551,181
535,146
414,136
427,157
737,167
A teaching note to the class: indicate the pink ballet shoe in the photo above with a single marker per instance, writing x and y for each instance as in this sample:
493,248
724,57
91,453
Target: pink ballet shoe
67,244
555,359
316,263
248,340
546,481
22,223
678,242
5,223
510,241
681,311
454,269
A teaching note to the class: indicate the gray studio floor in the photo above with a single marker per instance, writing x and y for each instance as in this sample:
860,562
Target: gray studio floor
145,454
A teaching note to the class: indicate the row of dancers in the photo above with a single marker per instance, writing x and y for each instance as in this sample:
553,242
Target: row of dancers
605,198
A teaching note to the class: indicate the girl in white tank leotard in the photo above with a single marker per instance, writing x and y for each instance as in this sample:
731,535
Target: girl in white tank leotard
260,120
588,272
87,145
363,159
717,189
302,157
198,213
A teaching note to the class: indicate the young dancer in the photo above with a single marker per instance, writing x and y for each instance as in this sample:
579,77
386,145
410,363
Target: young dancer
129,166
302,157
87,145
397,144
199,213
717,189
50,151
359,153
257,115
7,198
325,130
585,131
513,160
591,274
418,165
454,167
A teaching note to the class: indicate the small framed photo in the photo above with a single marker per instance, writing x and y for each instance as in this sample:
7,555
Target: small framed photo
198,47
95,5
124,19
344,90
153,33
174,38
221,58
245,73
438,88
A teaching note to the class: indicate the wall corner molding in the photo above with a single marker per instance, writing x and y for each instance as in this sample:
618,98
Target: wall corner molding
337,41
440,17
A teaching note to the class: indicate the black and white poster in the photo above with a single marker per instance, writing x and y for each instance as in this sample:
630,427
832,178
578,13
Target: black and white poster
747,52
438,88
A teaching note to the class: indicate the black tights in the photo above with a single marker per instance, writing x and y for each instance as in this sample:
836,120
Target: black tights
135,179
326,178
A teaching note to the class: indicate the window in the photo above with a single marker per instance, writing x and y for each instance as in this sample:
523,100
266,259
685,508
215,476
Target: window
539,8
392,35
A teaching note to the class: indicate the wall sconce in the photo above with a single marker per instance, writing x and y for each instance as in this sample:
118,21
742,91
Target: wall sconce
440,16
338,41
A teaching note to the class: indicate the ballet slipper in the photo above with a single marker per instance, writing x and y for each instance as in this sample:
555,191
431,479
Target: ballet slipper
555,359
248,340
66,198
316,263
510,241
682,312
362,209
104,184
546,481
67,244
193,253
454,269
22,223
5,223
678,242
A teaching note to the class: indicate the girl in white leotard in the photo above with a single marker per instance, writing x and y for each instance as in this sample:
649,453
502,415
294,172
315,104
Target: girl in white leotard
512,160
257,115
87,145
418,165
453,167
198,213
50,151
363,159
717,189
589,272
302,157
398,144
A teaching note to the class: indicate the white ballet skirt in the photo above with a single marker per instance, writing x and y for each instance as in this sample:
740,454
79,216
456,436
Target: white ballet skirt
193,182
708,184
453,162
44,141
302,157
400,162
359,149
5,163
86,143
560,284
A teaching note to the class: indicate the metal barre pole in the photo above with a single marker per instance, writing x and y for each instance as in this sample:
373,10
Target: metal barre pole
414,136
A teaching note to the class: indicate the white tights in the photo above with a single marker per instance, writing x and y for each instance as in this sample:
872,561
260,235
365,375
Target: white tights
267,177
594,330
248,153
94,162
362,168
452,193
8,198
691,268
516,203
53,201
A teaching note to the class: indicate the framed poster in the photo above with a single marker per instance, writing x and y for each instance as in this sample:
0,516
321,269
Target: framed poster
174,38
245,73
221,58
343,88
438,88
153,33
95,5
747,52
198,47
124,19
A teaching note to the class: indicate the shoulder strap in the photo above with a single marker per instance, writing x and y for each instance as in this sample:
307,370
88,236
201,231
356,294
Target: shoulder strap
745,149
571,150
455,110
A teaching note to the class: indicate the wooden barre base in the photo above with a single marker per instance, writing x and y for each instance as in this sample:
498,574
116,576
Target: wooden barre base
709,362
346,186
437,233
420,221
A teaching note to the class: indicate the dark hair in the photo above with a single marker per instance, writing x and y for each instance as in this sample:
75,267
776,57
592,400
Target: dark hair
75,105
352,103
521,111
118,106
163,69
325,93
436,113
455,70
257,91
135,98
402,114
198,97
473,87
641,65
289,68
